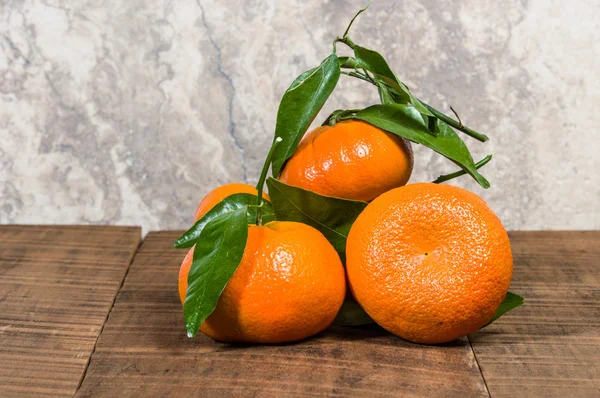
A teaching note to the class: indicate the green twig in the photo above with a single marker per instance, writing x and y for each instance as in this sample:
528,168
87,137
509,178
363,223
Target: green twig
338,115
353,18
359,76
459,173
457,125
445,118
456,114
263,177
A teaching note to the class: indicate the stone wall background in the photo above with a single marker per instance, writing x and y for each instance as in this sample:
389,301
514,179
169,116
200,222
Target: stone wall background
129,111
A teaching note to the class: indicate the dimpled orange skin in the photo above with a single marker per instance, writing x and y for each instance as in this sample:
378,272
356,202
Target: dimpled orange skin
207,203
184,270
429,263
289,286
350,160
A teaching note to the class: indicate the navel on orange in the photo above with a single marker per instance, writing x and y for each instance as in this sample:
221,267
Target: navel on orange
350,160
289,286
429,263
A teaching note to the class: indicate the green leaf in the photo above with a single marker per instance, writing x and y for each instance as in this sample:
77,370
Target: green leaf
456,124
378,66
375,63
217,254
384,94
405,121
332,216
227,205
300,105
297,81
511,301
347,62
352,314
388,97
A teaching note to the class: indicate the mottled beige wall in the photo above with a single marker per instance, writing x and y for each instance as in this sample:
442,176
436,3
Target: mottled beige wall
129,111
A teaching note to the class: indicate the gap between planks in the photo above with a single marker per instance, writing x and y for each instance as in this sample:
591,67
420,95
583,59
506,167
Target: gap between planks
112,305
478,367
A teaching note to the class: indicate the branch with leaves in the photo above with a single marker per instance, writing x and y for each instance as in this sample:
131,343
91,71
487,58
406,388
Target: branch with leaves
219,237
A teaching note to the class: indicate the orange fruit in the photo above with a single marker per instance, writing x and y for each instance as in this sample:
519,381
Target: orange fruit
429,263
207,203
184,270
220,193
289,286
350,160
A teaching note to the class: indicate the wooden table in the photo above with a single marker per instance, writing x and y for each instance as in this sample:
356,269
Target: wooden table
85,311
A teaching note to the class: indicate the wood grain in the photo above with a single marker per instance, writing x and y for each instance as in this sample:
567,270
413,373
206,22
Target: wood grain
57,285
143,351
551,346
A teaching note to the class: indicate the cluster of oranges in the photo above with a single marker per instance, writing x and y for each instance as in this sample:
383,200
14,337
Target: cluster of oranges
428,262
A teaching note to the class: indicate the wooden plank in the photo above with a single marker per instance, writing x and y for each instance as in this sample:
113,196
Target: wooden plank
143,351
57,285
551,346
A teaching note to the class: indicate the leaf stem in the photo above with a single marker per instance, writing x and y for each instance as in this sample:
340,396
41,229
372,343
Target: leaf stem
445,118
263,177
358,76
338,115
459,173
457,116
457,125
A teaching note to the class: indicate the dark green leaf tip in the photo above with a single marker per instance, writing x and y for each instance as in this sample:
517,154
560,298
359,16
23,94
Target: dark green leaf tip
352,314
511,301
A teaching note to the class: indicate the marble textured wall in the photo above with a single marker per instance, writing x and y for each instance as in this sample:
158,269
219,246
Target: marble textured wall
129,111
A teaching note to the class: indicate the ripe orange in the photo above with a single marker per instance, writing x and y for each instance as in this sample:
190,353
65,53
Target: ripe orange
184,270
220,193
429,263
350,160
207,203
289,285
